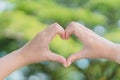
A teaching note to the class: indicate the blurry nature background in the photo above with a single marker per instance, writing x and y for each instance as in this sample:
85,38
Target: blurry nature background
20,20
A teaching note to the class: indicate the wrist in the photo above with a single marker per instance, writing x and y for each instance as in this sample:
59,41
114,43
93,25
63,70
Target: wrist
27,55
117,53
114,53
19,56
24,57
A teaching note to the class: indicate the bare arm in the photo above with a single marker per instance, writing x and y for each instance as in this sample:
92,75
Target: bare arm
10,63
36,50
94,46
115,53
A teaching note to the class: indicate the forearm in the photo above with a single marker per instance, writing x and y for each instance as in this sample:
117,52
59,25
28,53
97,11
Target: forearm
10,63
115,53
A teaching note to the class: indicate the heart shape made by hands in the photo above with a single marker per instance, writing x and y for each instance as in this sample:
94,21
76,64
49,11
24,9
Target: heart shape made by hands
92,44
90,41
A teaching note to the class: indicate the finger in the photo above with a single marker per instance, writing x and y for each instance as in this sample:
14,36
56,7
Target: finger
53,30
58,58
75,28
68,31
79,30
76,56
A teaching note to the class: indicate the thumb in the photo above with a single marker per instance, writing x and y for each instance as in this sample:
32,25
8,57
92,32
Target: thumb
76,56
58,58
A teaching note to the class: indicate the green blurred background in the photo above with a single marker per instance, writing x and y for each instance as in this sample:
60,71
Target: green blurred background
20,20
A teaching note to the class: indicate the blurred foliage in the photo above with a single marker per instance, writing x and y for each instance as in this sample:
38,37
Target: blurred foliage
27,17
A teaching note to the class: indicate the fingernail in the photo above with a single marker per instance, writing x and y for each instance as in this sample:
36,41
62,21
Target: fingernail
62,36
69,63
65,65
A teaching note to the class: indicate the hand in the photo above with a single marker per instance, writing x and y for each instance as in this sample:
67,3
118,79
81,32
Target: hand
37,50
94,45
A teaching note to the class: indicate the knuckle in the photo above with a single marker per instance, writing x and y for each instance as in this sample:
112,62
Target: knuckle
72,26
73,23
55,26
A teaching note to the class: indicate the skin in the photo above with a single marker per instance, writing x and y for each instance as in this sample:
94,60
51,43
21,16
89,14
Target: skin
95,46
37,50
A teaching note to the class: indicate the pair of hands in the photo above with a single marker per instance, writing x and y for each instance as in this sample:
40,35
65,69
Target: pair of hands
37,50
